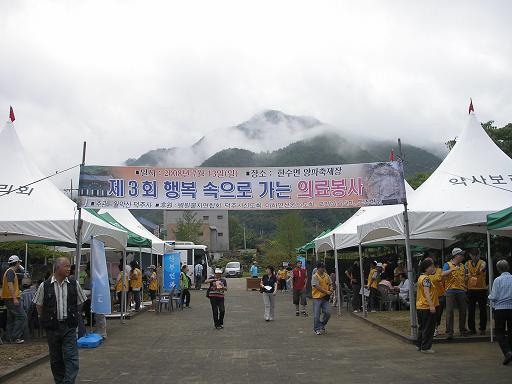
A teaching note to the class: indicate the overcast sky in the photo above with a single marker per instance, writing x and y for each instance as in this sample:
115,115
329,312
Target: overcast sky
130,76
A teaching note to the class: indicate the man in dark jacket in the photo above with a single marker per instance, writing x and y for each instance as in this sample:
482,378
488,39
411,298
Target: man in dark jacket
57,300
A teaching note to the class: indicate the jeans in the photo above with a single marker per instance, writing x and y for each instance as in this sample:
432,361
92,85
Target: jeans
136,298
320,306
218,310
63,353
356,297
16,319
502,318
269,301
458,299
199,280
426,328
477,296
185,297
440,309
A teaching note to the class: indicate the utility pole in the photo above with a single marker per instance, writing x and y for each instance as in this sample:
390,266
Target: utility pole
245,241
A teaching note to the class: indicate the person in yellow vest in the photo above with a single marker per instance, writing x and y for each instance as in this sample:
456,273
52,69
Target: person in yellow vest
477,291
153,286
121,288
136,283
373,282
427,301
321,292
16,317
455,276
438,280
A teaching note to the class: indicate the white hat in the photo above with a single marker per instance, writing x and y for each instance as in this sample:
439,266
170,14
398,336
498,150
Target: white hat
379,264
14,259
218,270
457,251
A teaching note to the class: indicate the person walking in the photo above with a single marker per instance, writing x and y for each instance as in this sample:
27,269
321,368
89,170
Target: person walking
427,301
198,275
501,302
321,292
300,276
185,285
455,283
217,287
153,286
121,288
354,276
57,300
16,317
268,289
477,291
136,283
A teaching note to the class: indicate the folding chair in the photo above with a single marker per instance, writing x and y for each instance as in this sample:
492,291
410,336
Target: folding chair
176,297
163,299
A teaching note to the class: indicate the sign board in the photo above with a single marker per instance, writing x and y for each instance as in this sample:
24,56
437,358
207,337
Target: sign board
171,267
255,188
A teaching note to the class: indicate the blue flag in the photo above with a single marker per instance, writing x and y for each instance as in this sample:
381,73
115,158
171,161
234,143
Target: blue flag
100,286
171,270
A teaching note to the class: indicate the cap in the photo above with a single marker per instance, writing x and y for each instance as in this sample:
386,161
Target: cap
379,265
218,270
13,259
457,251
152,266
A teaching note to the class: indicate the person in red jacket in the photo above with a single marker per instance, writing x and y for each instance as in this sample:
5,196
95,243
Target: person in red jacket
300,277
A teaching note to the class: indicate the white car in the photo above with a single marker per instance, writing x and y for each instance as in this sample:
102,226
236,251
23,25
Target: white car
233,269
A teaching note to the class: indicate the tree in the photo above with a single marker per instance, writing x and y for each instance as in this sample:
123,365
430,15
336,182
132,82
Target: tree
188,227
418,179
291,233
502,137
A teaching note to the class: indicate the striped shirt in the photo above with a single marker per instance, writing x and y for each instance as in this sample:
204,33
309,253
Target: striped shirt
61,294
501,294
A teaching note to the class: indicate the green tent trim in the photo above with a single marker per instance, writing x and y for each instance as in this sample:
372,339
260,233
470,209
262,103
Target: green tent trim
499,220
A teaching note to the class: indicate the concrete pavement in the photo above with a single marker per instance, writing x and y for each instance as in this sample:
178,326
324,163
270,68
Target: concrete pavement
184,347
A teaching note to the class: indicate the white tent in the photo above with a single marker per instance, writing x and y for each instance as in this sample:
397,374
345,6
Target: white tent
346,233
472,181
42,211
127,220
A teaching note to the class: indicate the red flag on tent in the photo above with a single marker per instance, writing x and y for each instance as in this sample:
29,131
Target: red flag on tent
392,155
11,114
471,109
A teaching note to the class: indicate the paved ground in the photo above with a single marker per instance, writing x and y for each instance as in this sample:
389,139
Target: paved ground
184,347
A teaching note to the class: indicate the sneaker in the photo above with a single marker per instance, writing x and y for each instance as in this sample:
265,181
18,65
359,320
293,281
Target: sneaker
428,351
267,319
508,358
318,333
373,310
18,341
323,330
355,311
221,326
305,314
297,313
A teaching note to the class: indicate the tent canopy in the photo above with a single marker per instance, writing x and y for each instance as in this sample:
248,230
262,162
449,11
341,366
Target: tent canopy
127,220
470,183
500,222
41,211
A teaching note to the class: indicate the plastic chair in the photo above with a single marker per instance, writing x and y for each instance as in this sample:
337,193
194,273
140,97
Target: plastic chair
176,298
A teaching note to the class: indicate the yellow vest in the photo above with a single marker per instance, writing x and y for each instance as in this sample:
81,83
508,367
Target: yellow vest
5,288
437,280
119,285
324,282
421,299
456,279
136,281
153,284
374,283
476,275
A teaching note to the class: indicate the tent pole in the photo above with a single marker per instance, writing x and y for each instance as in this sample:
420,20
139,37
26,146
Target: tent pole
361,275
123,292
410,276
325,256
491,277
141,288
338,296
316,256
26,256
78,255
442,254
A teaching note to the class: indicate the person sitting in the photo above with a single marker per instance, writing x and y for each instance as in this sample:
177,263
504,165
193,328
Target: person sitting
385,288
403,289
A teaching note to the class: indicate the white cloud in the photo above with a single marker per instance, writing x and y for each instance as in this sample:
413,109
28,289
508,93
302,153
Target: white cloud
130,76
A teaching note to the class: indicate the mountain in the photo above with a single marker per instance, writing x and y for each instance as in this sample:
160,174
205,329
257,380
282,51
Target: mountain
266,131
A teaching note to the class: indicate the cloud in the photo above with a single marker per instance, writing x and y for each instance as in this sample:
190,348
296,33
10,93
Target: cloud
130,76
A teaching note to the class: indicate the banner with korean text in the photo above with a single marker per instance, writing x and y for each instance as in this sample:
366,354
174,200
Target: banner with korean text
171,267
254,188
